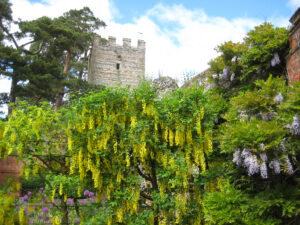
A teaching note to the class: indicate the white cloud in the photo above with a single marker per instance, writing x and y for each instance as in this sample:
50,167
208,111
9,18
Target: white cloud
27,10
179,40
294,4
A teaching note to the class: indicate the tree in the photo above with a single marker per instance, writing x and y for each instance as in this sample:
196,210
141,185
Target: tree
68,39
55,56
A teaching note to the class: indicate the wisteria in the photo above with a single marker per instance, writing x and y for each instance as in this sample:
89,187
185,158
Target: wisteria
278,98
254,165
215,76
232,77
264,157
264,170
275,60
237,159
243,114
275,165
225,74
296,125
288,164
234,59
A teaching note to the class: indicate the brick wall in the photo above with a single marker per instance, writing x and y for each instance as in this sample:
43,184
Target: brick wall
111,64
9,167
293,59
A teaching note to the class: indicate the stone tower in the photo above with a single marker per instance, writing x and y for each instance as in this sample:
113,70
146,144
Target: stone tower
111,64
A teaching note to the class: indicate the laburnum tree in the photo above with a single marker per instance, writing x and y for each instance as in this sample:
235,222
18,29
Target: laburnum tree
143,154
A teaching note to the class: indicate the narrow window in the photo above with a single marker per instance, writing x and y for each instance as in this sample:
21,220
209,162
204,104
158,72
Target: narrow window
118,66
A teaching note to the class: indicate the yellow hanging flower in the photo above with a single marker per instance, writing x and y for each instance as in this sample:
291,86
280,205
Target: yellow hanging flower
133,121
91,122
70,143
56,221
115,147
144,105
171,137
166,134
35,170
199,128
13,137
209,142
53,194
65,198
119,214
201,113
127,160
60,189
104,111
21,216
79,191
27,172
189,138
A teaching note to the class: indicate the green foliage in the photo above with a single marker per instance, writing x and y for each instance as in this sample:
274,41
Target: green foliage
262,53
8,214
263,42
233,206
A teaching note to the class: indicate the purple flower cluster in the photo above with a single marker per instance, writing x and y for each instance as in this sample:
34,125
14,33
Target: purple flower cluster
88,193
276,60
296,125
76,220
70,201
275,165
254,166
23,199
278,98
45,210
237,159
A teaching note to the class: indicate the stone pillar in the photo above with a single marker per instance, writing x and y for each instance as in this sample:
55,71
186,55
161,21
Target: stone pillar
293,59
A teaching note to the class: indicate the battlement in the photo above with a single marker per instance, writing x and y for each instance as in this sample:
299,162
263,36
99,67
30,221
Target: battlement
111,64
113,42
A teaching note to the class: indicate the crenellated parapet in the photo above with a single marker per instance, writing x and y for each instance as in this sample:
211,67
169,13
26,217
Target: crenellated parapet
111,64
112,42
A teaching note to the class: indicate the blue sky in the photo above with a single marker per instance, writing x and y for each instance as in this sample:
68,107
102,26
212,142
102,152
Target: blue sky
180,35
262,9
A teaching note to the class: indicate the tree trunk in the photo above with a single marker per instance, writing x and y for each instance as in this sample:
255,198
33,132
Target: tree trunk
61,90
12,94
85,58
155,188
65,218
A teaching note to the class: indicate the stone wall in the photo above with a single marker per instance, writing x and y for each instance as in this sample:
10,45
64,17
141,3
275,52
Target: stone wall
111,64
293,59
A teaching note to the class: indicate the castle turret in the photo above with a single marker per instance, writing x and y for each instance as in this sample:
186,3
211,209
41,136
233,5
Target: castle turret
111,64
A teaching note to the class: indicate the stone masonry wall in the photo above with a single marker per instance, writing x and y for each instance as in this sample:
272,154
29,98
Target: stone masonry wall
111,64
293,59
